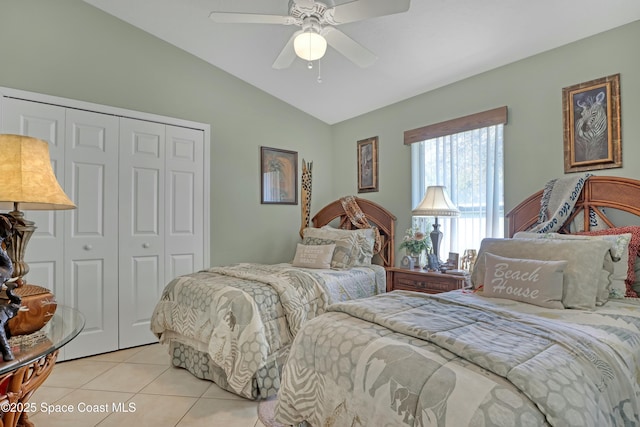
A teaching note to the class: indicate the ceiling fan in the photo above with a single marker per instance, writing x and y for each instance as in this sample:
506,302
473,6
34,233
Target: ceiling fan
317,22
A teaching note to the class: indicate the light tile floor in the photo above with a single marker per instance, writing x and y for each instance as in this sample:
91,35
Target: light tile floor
136,387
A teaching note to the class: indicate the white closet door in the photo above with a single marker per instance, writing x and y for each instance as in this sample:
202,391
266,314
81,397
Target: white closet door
91,246
44,252
184,231
142,210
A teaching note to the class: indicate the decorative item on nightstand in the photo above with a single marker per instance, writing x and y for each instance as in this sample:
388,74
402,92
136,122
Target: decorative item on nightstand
415,243
469,259
407,262
436,202
28,183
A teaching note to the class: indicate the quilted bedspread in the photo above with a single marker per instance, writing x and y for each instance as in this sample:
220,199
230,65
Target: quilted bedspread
241,314
458,359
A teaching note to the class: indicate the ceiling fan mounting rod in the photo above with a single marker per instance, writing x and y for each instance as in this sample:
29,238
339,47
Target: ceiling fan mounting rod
303,9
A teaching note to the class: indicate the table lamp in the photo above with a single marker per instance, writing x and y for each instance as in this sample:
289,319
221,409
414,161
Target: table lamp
27,182
436,202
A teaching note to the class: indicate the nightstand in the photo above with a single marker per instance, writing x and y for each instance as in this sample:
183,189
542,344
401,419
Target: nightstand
423,281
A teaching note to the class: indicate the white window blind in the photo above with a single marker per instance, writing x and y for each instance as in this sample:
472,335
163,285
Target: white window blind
470,165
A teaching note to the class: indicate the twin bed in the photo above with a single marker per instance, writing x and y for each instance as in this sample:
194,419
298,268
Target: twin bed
511,352
234,324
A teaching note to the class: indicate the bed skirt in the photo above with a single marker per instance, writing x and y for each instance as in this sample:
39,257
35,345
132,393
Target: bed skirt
265,382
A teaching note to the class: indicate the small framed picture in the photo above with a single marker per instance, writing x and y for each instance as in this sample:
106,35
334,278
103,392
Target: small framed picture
454,260
278,176
368,165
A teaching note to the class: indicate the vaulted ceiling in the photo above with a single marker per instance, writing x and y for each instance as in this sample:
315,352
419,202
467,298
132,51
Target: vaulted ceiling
434,43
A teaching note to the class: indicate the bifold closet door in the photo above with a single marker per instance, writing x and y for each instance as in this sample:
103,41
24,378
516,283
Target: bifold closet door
184,230
74,253
91,242
44,254
141,217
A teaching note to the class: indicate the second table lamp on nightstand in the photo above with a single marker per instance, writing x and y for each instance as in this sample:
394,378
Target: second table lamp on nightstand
436,203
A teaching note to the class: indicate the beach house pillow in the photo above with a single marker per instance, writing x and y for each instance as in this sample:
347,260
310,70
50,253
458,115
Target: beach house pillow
585,262
613,287
527,280
313,256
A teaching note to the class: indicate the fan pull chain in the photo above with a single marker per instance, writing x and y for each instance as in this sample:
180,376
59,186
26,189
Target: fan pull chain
310,64
319,76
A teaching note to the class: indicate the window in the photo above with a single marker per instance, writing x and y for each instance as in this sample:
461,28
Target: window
466,156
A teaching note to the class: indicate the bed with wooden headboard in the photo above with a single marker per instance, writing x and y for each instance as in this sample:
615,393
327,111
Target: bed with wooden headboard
377,216
518,354
234,324
599,192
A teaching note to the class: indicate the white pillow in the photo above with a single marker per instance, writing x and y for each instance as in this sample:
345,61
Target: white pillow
313,256
527,280
586,260
353,247
365,241
619,255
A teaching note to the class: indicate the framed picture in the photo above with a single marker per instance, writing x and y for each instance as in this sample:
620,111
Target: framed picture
368,165
454,260
278,176
591,116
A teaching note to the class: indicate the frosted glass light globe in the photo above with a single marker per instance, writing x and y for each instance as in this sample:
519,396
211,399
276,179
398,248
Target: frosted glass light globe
310,46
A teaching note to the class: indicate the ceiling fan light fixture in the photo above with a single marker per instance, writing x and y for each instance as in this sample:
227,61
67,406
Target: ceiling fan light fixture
310,45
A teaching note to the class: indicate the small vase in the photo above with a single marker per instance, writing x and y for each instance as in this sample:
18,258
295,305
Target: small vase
417,259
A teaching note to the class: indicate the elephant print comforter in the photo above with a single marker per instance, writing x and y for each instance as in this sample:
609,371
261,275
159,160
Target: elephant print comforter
238,321
459,359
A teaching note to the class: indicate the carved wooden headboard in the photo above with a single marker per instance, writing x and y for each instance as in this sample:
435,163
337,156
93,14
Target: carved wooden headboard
376,215
598,192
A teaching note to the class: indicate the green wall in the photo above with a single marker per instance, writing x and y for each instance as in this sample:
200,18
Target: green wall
70,49
532,91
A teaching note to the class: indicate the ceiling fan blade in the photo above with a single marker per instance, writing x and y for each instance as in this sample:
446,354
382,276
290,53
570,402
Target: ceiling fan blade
348,47
365,9
250,18
287,55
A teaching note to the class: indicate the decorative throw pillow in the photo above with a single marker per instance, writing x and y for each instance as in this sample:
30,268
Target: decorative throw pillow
632,288
365,241
527,280
585,258
313,256
344,255
609,287
636,283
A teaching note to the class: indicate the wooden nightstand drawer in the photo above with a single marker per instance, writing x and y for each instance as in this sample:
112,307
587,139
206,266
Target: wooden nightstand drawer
422,281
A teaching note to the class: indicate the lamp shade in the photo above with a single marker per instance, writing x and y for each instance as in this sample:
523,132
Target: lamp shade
436,202
26,176
310,45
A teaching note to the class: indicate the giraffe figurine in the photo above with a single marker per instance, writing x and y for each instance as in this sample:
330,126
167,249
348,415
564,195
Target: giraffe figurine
305,195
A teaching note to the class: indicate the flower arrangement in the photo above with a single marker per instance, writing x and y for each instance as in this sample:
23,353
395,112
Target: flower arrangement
415,241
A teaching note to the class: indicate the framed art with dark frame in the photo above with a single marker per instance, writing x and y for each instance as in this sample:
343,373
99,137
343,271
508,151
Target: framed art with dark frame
592,131
368,165
278,176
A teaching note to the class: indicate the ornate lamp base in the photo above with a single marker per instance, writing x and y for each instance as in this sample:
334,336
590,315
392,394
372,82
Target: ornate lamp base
19,240
436,238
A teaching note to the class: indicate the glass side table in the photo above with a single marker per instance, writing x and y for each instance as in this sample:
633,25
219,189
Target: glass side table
35,356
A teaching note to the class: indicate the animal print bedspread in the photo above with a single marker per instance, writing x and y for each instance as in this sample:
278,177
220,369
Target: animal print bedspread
458,359
241,314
